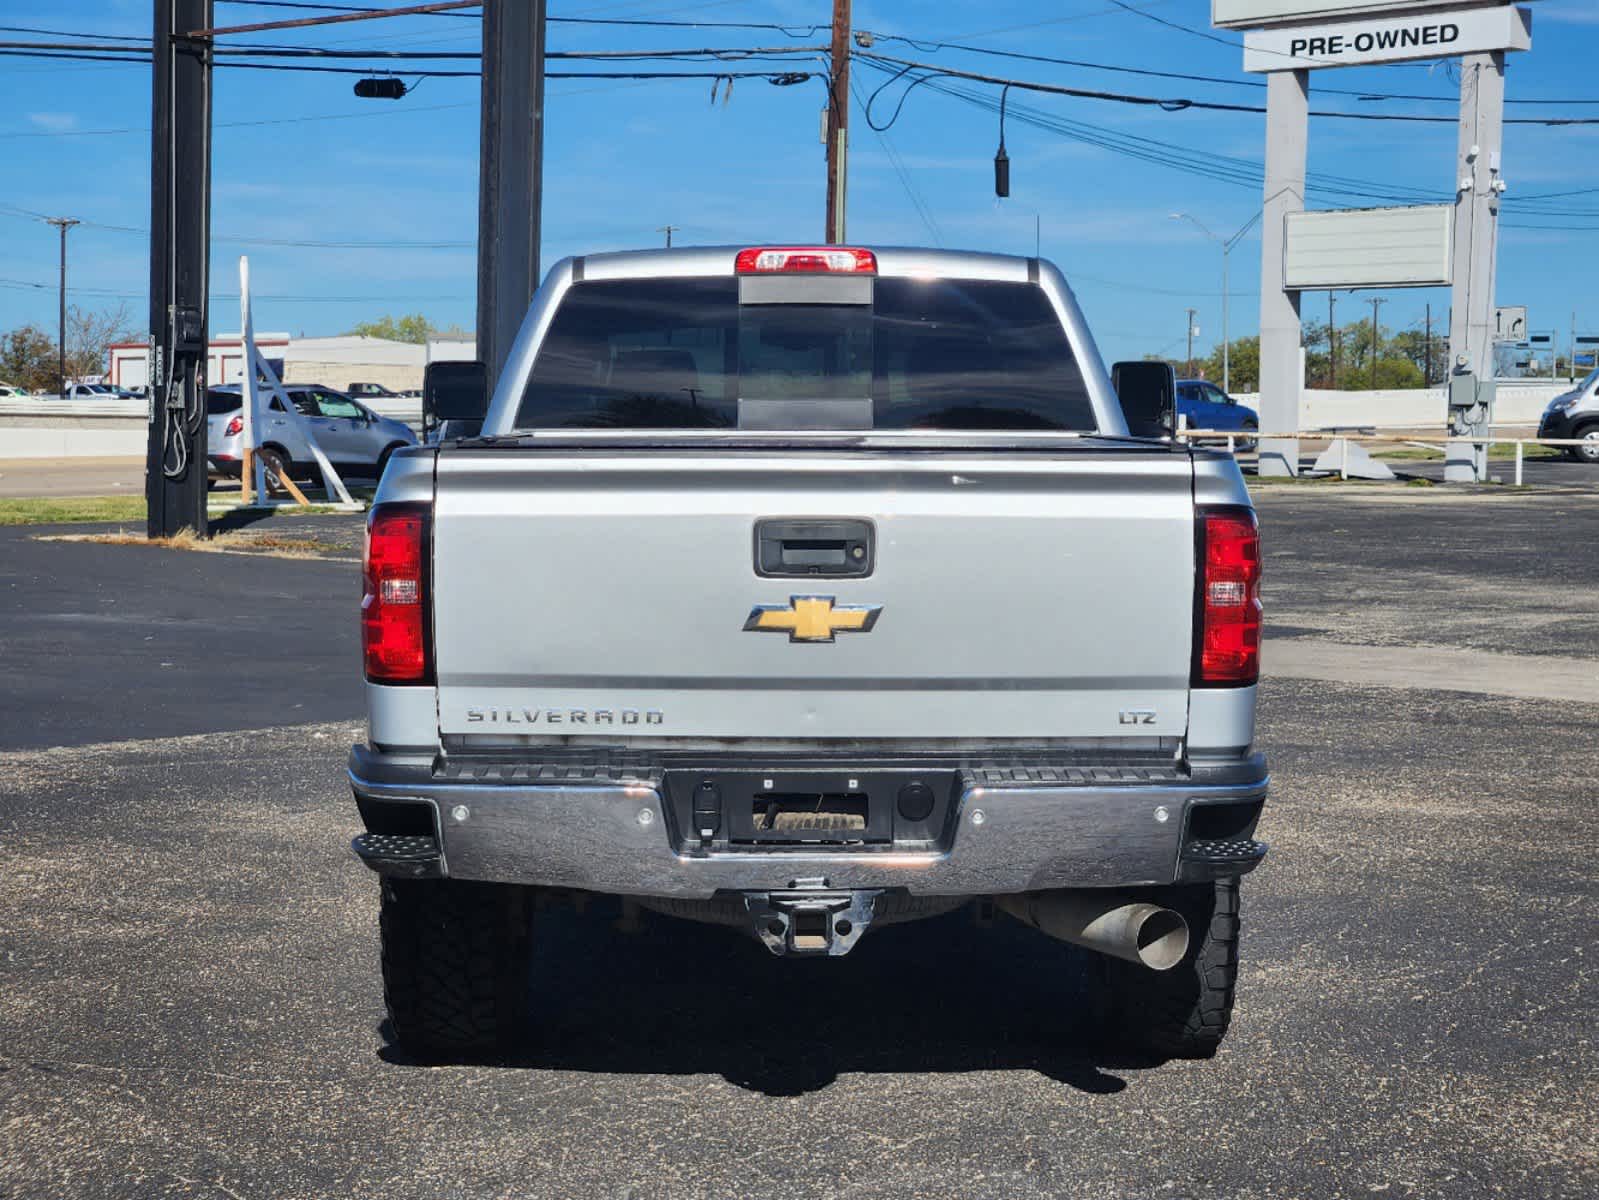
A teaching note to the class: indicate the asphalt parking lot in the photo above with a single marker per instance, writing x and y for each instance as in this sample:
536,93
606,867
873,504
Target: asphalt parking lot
190,1002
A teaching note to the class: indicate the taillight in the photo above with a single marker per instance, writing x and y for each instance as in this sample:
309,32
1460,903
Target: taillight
394,601
775,260
1227,604
235,426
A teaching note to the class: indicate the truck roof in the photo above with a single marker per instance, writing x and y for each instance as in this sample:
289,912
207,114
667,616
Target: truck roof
718,260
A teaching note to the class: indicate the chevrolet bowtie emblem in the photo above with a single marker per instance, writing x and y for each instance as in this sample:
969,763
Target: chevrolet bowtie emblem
812,618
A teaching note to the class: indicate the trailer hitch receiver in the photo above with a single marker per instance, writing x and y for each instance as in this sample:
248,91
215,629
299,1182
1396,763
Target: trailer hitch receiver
810,921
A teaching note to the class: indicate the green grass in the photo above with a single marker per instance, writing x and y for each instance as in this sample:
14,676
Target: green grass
77,510
62,510
1499,450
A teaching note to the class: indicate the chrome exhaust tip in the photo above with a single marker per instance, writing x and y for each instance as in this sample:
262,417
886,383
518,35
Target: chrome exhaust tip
1106,922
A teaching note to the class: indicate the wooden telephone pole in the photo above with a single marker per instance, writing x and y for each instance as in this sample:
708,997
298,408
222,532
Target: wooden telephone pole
838,123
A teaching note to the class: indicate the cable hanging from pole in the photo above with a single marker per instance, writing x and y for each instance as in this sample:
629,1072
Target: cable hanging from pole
1001,159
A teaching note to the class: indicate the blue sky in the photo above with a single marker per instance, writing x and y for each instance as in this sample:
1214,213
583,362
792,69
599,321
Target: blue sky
624,158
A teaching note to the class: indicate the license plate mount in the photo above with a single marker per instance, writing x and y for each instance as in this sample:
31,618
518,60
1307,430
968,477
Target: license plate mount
822,808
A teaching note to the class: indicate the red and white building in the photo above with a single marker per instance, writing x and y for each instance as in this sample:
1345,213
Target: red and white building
130,361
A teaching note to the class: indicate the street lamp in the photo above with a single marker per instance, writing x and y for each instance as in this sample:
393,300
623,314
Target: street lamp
1226,245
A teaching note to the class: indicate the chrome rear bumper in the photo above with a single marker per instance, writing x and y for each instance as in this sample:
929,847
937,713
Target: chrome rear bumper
615,838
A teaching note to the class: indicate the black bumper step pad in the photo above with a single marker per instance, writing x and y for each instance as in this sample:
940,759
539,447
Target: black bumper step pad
411,856
1240,854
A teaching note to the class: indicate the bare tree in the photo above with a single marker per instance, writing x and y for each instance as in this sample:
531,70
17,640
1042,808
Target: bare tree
90,333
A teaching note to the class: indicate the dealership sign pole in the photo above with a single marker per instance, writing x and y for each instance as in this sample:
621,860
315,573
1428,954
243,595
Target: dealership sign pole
1286,40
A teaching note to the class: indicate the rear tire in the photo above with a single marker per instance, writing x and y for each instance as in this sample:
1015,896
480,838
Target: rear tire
1183,1012
455,964
275,461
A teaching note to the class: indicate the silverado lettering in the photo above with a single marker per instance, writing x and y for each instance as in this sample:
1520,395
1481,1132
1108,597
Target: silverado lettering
575,716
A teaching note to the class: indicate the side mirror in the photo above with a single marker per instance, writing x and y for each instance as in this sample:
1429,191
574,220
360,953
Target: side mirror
454,391
1148,395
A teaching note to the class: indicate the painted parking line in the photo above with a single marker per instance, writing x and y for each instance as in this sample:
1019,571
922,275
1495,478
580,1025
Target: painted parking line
1434,668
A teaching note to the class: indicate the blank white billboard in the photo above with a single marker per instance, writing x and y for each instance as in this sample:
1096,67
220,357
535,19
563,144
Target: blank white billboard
1251,14
1370,247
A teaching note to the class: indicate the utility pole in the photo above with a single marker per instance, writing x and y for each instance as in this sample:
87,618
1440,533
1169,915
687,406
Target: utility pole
668,230
1426,371
1571,363
1192,313
1332,342
63,224
838,124
1376,339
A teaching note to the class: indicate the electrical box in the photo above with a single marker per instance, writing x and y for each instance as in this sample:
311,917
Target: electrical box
1463,391
188,331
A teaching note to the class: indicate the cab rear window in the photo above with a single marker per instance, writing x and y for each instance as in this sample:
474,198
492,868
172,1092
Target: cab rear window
927,354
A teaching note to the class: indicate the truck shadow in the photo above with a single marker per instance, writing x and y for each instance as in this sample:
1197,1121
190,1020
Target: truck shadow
937,996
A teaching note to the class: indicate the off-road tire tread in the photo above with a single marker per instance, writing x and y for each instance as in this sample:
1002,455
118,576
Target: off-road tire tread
1184,1012
455,964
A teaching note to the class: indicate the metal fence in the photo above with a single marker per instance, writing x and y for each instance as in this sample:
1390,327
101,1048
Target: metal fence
1233,436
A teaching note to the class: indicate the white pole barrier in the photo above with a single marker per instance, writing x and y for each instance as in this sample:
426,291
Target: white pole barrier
1518,463
255,362
254,488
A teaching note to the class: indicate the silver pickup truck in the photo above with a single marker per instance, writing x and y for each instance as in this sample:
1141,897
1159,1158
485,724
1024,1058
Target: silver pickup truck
806,590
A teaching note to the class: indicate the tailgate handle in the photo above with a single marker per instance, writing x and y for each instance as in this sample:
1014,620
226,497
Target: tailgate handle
789,549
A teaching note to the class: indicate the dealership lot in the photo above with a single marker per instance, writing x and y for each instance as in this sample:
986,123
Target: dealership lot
190,1006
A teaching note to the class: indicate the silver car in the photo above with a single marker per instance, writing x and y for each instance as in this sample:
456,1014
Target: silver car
356,440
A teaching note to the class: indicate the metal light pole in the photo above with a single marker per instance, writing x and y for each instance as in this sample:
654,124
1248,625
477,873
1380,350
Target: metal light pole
1226,245
1332,341
1192,313
1376,339
510,174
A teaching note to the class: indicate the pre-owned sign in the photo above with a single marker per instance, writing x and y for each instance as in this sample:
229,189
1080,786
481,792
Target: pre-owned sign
1390,39
1252,14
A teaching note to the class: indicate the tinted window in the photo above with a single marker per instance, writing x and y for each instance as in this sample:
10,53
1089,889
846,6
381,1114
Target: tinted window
927,354
221,402
338,406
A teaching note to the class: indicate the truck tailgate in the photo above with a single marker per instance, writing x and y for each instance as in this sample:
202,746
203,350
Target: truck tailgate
1032,595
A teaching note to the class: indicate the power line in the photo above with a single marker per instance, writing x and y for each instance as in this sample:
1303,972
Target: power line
925,45
774,77
1169,104
351,116
1217,167
1189,29
921,208
469,16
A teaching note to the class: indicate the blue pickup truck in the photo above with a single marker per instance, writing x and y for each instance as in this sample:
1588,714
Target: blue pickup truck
1203,405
